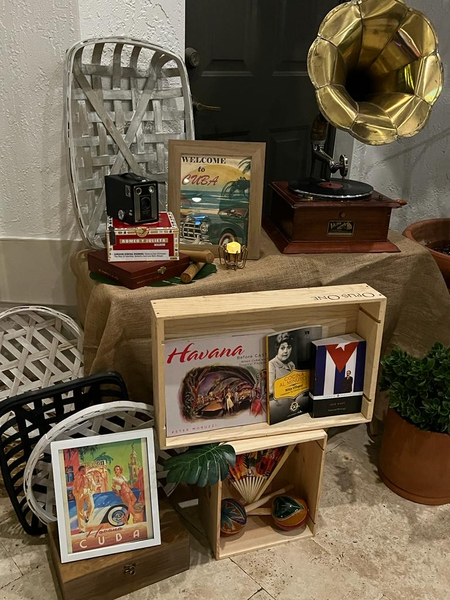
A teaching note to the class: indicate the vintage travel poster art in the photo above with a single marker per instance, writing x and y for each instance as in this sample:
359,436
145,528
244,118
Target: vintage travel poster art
215,382
106,497
214,199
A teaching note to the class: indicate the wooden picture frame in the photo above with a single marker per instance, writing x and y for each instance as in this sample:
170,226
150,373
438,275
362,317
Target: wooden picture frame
339,309
108,503
233,206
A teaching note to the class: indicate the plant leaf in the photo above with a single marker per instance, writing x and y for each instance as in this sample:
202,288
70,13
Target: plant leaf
202,465
419,388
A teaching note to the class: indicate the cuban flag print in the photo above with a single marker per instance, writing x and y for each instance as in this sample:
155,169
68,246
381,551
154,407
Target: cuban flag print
339,367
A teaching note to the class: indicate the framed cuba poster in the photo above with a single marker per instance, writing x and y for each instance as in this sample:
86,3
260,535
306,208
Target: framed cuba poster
215,193
106,495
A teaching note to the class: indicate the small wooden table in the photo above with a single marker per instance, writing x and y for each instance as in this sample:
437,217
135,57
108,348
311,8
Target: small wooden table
117,321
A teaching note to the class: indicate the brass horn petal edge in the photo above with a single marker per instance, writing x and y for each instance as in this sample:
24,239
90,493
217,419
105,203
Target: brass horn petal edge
407,62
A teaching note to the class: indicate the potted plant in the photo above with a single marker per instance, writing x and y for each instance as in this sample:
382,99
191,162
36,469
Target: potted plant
434,234
415,450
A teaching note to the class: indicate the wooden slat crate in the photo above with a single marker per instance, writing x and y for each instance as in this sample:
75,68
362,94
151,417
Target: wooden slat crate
303,468
339,309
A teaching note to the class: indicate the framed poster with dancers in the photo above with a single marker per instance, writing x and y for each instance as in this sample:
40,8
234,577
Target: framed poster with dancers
106,495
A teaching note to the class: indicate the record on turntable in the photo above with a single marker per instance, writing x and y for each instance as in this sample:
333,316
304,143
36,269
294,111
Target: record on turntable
334,189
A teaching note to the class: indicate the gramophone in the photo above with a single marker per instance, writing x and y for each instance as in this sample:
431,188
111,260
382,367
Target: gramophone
377,72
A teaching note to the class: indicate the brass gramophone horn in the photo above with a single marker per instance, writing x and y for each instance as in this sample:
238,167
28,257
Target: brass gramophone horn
376,69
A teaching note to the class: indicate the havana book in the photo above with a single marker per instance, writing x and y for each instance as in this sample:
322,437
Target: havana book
215,382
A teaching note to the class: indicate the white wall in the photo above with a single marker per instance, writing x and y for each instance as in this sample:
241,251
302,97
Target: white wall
416,169
34,194
160,22
35,202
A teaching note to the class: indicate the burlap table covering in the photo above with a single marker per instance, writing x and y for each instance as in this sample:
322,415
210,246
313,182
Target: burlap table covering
117,320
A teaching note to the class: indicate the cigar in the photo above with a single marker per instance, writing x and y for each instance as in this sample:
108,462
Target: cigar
200,256
188,275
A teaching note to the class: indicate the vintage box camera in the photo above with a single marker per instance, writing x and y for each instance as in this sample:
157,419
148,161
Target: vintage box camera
132,198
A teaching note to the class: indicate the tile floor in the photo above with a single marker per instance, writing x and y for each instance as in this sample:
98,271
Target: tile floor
371,545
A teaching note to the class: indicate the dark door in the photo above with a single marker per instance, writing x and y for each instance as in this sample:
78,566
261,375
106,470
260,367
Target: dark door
252,64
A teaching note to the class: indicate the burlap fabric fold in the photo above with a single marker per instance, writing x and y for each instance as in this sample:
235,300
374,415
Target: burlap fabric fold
117,320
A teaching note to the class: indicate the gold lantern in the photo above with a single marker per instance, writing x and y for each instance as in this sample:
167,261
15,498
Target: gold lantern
233,255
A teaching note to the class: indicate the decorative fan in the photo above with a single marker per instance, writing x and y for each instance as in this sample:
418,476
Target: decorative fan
252,471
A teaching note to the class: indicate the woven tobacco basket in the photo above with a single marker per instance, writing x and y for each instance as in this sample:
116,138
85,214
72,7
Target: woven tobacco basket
125,99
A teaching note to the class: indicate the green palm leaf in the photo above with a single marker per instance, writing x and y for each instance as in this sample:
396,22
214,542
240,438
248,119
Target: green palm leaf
103,456
202,465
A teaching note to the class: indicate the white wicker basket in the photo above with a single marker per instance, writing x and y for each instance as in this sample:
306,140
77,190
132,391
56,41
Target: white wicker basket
39,347
125,99
110,417
86,423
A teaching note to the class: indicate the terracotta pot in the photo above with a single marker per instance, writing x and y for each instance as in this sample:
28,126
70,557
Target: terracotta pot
432,233
415,464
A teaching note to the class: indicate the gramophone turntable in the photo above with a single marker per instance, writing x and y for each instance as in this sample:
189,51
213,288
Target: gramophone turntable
377,72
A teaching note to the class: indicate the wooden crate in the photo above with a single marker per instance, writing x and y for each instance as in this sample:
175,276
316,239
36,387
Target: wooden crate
303,469
339,309
109,577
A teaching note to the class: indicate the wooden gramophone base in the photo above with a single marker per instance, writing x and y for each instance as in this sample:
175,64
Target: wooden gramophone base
297,226
288,247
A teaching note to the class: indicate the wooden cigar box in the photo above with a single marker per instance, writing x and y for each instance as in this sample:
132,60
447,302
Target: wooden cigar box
134,275
146,242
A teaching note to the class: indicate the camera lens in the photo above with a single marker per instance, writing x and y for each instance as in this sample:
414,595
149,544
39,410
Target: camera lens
145,203
138,190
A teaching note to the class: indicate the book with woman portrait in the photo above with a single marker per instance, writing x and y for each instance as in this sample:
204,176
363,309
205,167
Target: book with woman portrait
106,496
288,372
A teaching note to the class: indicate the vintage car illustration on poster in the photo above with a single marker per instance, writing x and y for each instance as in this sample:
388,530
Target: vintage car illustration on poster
108,509
214,203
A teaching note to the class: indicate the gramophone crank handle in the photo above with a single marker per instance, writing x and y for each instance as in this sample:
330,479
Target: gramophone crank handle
381,198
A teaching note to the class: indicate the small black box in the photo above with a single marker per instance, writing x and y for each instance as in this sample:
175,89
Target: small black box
131,198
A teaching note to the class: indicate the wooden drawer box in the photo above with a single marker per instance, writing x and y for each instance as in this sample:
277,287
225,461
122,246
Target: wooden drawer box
339,309
108,577
303,468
